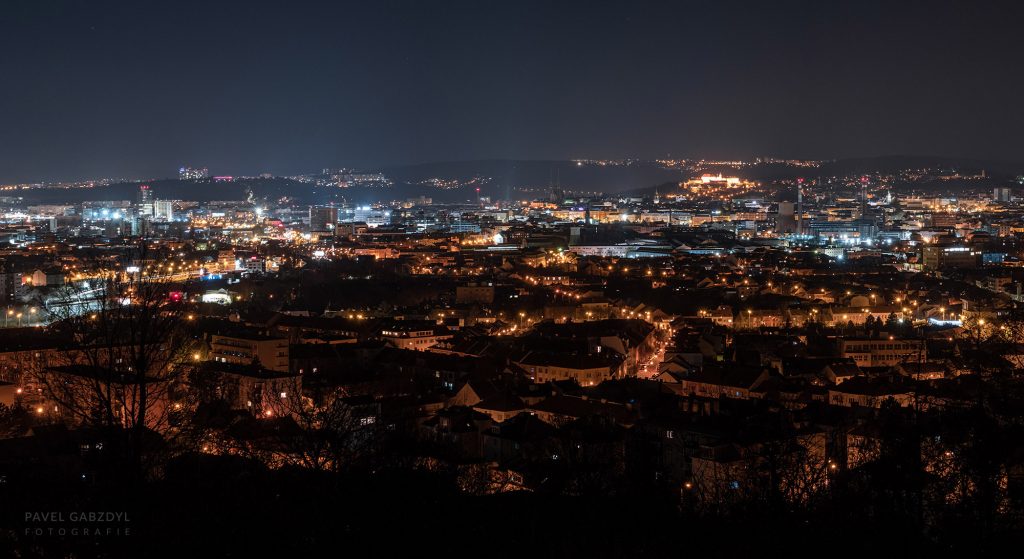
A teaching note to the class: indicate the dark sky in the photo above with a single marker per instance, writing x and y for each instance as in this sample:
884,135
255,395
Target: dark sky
95,88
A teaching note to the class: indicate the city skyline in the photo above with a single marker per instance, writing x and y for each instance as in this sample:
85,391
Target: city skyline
702,278
1005,170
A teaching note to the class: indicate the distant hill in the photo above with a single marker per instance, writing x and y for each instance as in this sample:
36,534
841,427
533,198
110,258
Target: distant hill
497,179
509,178
173,189
891,163
512,179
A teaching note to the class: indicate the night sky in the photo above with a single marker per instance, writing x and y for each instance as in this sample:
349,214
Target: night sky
136,89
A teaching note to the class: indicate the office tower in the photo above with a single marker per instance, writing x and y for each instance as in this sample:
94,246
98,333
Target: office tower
163,210
785,221
863,196
322,218
145,201
800,206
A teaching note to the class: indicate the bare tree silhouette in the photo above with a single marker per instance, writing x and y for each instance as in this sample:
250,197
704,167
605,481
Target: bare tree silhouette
124,370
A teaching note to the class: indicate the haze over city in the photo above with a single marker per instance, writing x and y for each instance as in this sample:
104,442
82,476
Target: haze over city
124,89
511,279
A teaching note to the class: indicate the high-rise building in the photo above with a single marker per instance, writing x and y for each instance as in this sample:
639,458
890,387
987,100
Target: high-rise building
163,210
322,218
800,206
941,256
193,173
145,201
785,221
1002,194
372,217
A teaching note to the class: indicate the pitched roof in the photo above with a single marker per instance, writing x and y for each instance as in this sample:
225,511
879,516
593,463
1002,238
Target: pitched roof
577,361
581,406
523,427
730,375
501,402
